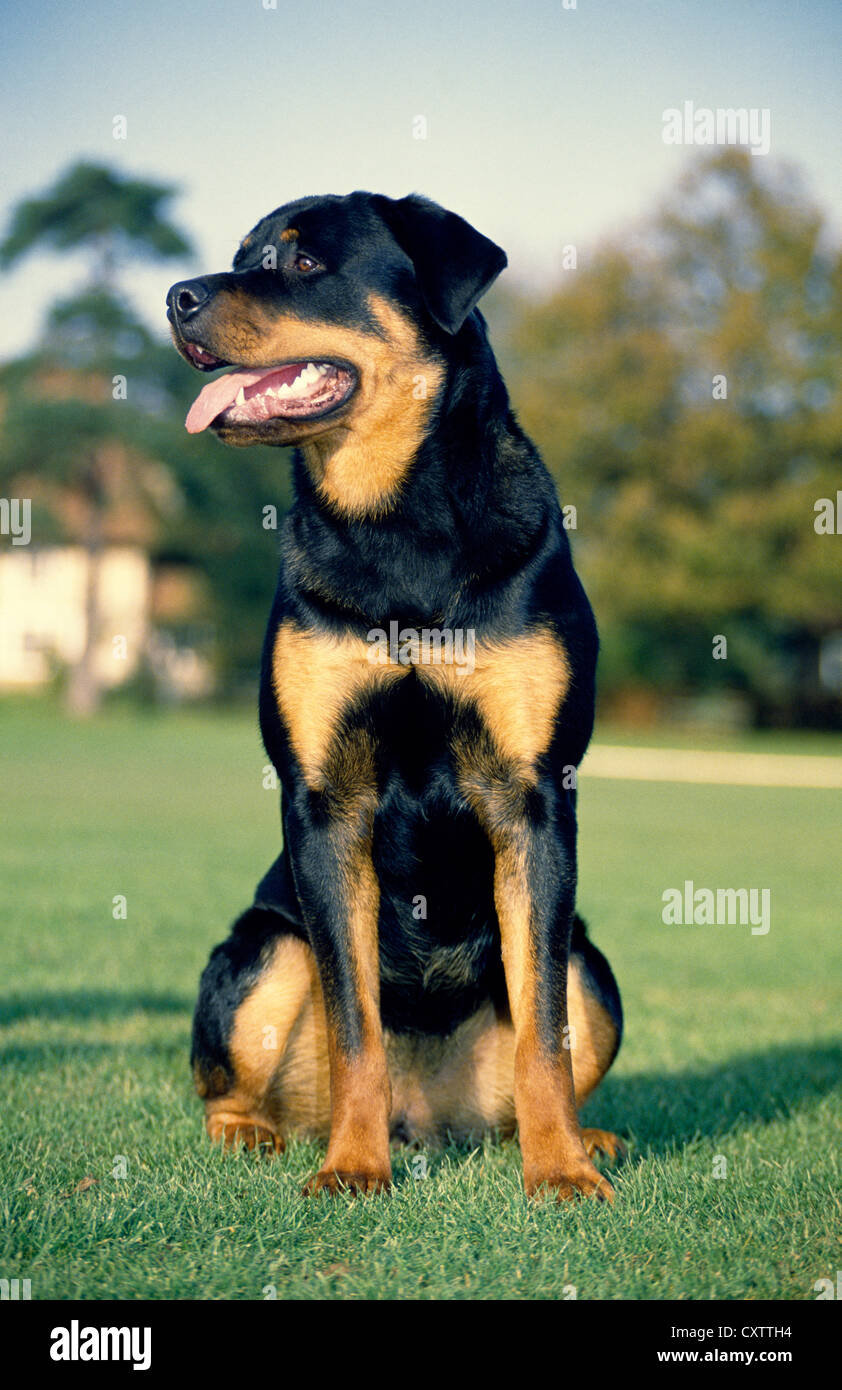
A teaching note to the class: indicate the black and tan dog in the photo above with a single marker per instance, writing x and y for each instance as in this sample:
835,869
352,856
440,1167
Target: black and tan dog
412,965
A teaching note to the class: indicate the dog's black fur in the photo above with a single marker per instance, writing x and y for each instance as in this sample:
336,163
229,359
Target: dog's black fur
432,786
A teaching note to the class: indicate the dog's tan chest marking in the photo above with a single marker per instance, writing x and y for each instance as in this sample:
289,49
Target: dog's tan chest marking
317,677
518,687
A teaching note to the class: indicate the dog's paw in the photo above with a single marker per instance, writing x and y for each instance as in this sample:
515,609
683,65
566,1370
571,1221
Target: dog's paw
602,1141
581,1180
250,1131
357,1182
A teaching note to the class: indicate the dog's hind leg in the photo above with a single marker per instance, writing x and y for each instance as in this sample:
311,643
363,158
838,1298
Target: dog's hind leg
255,1024
595,1018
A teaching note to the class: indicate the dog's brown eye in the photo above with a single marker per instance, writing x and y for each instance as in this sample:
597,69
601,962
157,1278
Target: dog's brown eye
306,263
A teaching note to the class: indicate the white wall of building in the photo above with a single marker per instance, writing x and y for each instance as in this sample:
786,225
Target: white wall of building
43,612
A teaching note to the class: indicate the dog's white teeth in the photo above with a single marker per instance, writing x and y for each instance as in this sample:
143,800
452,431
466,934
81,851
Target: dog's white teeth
309,378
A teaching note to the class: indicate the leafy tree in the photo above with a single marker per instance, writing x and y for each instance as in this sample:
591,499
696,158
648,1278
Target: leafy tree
685,389
106,462
70,436
109,217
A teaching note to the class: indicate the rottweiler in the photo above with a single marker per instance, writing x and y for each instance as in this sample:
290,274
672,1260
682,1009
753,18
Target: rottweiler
412,966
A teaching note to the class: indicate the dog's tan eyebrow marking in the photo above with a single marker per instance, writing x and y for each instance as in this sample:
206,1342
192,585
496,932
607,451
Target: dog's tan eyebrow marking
243,248
289,234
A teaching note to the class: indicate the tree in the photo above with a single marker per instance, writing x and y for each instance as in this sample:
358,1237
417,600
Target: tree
74,439
92,429
686,390
92,208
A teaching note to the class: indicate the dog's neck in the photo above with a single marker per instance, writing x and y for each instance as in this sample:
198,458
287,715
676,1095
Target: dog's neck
428,419
470,499
360,466
360,469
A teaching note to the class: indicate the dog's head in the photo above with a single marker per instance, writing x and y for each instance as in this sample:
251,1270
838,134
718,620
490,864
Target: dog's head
333,305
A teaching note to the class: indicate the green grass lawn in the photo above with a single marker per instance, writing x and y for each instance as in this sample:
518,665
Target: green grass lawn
732,1049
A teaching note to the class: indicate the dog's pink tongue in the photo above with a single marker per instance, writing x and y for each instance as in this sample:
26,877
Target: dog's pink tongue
219,395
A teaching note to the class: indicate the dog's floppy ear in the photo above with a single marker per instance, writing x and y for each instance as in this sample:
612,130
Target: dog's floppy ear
454,263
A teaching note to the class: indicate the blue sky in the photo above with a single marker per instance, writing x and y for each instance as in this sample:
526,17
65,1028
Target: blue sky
543,123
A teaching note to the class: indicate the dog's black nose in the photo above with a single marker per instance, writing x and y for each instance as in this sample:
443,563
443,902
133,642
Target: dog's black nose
186,298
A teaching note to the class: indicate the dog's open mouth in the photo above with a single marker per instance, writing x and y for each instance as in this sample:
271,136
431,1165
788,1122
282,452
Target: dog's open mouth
252,395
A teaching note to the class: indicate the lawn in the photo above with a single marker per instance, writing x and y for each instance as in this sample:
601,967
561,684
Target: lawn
110,1189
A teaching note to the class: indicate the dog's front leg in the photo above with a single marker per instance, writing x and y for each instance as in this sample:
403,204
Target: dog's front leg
329,837
535,886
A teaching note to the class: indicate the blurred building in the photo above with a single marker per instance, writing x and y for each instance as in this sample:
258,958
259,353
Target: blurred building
47,595
44,605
